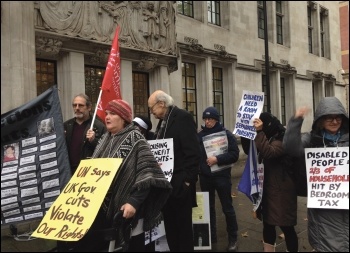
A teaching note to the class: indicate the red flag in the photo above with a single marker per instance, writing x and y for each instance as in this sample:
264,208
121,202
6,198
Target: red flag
111,81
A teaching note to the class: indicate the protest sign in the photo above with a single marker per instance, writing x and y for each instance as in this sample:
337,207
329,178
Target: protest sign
72,214
163,151
201,226
35,165
216,144
328,177
251,105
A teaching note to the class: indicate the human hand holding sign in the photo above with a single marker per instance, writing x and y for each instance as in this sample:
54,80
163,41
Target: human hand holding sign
258,124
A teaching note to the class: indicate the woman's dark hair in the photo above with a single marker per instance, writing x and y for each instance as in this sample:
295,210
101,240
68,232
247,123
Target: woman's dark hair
272,126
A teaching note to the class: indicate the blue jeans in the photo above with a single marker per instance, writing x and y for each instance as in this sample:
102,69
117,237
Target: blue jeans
223,185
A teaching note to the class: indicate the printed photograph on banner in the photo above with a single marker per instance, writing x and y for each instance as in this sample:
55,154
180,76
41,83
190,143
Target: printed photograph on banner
11,152
46,127
251,106
35,165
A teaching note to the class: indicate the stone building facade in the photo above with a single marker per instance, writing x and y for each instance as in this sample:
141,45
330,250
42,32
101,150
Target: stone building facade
202,53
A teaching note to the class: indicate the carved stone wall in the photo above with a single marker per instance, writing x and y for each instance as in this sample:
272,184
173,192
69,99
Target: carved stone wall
145,25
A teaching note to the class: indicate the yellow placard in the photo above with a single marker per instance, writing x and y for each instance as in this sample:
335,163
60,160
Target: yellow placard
73,212
198,212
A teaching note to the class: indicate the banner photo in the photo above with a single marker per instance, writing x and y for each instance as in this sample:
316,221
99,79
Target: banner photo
72,214
327,171
35,165
163,151
216,144
251,106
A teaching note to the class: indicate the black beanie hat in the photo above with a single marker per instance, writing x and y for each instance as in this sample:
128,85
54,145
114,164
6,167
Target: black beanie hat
271,125
211,113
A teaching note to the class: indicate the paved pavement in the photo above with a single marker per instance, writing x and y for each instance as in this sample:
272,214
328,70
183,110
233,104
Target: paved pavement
250,229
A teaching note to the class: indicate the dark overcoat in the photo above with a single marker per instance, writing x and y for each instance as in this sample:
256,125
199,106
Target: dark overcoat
182,128
279,204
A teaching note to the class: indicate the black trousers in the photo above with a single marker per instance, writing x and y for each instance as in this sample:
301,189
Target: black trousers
178,223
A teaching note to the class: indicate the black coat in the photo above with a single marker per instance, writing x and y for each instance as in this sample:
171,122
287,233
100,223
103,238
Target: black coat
182,128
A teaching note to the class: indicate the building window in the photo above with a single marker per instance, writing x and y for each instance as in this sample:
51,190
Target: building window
140,87
328,89
93,82
185,8
189,90
214,12
317,93
279,22
261,20
283,101
218,92
324,33
311,11
46,75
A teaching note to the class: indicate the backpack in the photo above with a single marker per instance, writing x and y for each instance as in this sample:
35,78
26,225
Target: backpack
296,168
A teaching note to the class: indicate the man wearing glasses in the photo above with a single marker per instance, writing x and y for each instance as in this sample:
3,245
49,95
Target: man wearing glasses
179,125
81,141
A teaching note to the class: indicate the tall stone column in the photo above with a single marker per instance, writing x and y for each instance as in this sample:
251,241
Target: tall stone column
70,81
18,68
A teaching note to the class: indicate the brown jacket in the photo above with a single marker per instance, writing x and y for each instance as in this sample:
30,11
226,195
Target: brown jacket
279,204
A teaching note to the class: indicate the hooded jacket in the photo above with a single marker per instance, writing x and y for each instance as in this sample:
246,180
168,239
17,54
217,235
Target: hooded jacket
328,229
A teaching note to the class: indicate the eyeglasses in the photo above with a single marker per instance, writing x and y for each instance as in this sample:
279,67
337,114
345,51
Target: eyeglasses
208,119
79,105
151,108
331,118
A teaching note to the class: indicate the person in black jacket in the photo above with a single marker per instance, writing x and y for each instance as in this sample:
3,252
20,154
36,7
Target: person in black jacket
219,179
81,141
179,125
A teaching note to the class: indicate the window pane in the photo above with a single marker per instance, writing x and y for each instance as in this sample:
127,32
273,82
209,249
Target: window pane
46,75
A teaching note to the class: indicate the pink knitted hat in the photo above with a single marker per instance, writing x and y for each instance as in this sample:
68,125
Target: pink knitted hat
122,108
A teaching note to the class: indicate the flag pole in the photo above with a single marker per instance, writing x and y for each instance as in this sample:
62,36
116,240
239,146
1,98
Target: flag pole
94,117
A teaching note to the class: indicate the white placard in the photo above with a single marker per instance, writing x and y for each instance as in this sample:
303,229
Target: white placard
250,108
327,177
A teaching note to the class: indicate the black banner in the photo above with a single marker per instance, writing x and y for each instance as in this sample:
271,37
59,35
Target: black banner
34,158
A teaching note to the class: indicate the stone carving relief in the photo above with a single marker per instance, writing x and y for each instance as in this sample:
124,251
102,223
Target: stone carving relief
145,25
224,54
47,46
100,57
318,75
147,63
194,47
